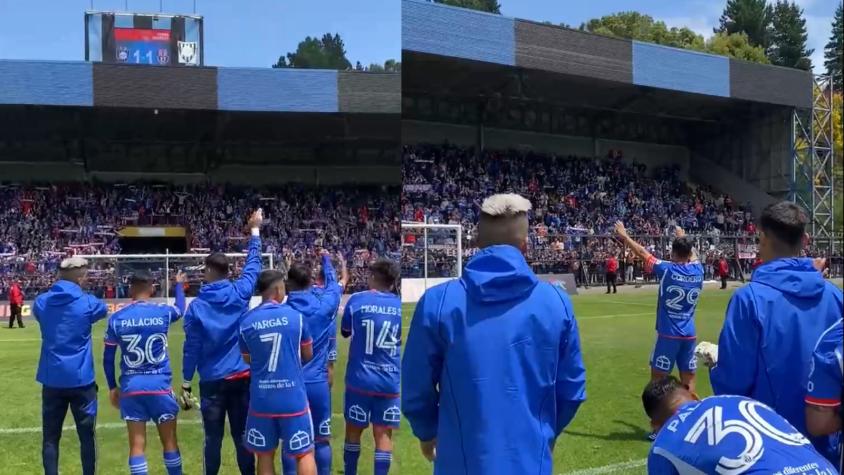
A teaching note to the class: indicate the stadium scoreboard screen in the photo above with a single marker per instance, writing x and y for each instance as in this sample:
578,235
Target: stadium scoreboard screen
151,39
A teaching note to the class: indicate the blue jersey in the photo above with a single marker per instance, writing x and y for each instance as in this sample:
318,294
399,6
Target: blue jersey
826,377
373,319
679,289
140,330
273,334
733,435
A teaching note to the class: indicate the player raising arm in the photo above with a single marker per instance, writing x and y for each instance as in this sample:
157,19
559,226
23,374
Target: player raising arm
318,306
274,341
140,331
373,320
680,283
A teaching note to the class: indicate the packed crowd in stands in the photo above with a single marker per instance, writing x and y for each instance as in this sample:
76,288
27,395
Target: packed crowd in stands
576,202
40,225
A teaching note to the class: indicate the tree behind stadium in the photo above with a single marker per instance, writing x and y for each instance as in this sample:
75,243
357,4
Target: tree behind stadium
328,52
490,6
833,57
789,36
752,17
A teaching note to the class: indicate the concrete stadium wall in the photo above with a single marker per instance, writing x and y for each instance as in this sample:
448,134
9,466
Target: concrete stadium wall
757,151
708,172
233,174
41,172
412,289
652,155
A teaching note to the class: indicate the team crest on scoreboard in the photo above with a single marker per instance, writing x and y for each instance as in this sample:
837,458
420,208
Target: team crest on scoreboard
122,54
187,53
163,56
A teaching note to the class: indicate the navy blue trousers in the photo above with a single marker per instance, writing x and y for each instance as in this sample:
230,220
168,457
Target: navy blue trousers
82,402
218,399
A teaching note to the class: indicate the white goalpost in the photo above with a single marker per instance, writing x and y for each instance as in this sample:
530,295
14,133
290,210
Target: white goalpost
441,249
162,262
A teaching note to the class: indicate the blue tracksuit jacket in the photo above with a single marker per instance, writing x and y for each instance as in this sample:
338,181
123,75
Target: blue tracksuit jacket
211,323
492,368
65,314
769,334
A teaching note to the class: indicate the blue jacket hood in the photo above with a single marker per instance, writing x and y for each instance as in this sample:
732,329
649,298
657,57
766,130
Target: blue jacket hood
62,293
792,276
304,301
221,292
497,274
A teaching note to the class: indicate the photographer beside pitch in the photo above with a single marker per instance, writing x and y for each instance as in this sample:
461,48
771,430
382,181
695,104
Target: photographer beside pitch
211,349
492,371
65,315
773,324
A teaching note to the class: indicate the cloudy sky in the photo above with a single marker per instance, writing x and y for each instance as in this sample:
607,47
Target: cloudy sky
699,15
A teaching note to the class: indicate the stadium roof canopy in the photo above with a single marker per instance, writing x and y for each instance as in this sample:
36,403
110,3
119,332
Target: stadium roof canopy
85,84
117,117
465,54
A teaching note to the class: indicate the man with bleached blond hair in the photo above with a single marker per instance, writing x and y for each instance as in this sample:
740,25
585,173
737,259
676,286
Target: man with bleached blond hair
492,371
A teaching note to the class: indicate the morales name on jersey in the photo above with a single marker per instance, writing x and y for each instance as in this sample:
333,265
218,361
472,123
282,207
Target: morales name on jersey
373,319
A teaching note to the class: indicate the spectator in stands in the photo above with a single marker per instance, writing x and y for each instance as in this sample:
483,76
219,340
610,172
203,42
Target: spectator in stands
42,224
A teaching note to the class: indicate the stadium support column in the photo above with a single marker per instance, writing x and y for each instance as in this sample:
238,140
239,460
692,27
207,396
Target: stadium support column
811,158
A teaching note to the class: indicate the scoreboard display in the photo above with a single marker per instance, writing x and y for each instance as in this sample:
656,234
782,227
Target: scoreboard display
149,39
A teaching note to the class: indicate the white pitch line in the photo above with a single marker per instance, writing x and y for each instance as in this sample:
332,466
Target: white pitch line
15,340
600,317
622,302
612,468
106,425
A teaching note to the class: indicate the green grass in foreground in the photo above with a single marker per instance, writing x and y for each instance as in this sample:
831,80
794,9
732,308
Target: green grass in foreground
617,334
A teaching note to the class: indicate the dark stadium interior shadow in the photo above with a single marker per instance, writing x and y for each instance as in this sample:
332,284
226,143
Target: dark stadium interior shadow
634,432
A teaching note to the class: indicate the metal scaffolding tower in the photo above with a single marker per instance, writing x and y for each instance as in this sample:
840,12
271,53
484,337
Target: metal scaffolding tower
811,158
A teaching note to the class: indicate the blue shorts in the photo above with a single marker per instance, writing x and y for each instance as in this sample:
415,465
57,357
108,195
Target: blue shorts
361,410
319,400
157,408
295,432
670,351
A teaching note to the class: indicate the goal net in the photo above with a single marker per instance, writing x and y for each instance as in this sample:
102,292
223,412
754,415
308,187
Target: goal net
108,275
431,254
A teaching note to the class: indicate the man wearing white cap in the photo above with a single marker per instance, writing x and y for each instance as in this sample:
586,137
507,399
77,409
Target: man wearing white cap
66,314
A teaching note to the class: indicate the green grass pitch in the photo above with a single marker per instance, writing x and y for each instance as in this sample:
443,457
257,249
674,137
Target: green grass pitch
607,435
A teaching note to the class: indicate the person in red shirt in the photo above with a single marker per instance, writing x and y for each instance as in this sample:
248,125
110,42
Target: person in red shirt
723,271
612,269
15,304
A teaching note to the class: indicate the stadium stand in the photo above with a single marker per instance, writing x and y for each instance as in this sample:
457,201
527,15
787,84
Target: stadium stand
576,202
42,224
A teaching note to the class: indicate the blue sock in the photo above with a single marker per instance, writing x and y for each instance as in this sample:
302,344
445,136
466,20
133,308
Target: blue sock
138,465
173,463
382,462
288,464
351,454
323,457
